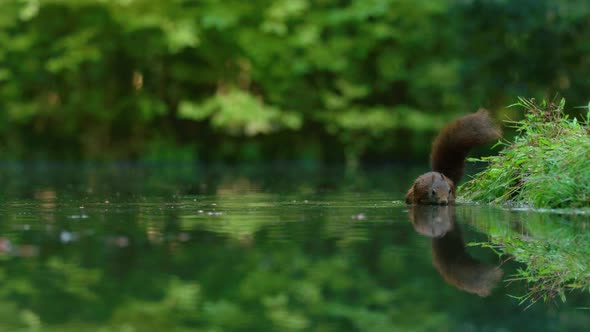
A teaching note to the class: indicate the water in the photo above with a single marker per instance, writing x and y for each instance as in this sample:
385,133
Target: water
183,248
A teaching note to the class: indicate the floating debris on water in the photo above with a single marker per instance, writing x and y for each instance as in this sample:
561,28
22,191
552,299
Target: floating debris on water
67,237
360,216
78,216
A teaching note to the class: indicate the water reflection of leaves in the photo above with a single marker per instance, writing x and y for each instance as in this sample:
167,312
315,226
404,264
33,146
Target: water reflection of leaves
555,248
20,250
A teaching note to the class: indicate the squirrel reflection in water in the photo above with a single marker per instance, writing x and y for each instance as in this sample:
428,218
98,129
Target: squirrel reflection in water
449,256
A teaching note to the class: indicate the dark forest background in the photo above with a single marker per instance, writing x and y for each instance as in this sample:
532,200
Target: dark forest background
260,80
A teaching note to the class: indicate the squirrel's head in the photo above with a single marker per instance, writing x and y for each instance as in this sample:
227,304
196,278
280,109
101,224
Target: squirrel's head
434,188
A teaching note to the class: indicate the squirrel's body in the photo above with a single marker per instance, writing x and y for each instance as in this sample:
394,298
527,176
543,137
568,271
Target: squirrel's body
449,150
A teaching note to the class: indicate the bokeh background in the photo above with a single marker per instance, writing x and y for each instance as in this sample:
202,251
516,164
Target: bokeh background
245,81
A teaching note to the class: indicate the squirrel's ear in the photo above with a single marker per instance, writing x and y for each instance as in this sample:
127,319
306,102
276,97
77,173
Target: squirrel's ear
410,194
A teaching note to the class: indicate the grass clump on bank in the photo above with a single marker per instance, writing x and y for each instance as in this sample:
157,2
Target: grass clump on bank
547,165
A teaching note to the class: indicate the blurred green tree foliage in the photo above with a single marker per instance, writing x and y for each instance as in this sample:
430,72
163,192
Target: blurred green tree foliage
262,79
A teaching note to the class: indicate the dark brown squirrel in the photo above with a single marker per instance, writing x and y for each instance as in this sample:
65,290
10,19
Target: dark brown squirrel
449,150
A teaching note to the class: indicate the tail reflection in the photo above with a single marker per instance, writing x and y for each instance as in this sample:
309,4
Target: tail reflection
449,256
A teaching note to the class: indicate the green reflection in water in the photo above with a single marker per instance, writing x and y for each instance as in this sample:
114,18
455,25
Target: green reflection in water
182,249
554,248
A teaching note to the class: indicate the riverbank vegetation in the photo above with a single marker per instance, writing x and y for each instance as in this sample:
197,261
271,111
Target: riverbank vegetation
547,165
545,169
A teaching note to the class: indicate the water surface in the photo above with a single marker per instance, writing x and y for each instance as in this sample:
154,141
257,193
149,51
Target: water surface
184,248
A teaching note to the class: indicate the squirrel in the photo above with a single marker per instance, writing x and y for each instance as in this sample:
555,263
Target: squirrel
449,150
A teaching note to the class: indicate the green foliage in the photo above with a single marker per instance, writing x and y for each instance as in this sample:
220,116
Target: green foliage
107,79
239,113
547,165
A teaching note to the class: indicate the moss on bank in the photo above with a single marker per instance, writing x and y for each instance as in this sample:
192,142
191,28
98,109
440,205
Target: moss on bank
547,165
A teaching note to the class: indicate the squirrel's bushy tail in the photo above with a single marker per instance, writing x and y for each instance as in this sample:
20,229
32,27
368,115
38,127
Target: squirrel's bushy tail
451,146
